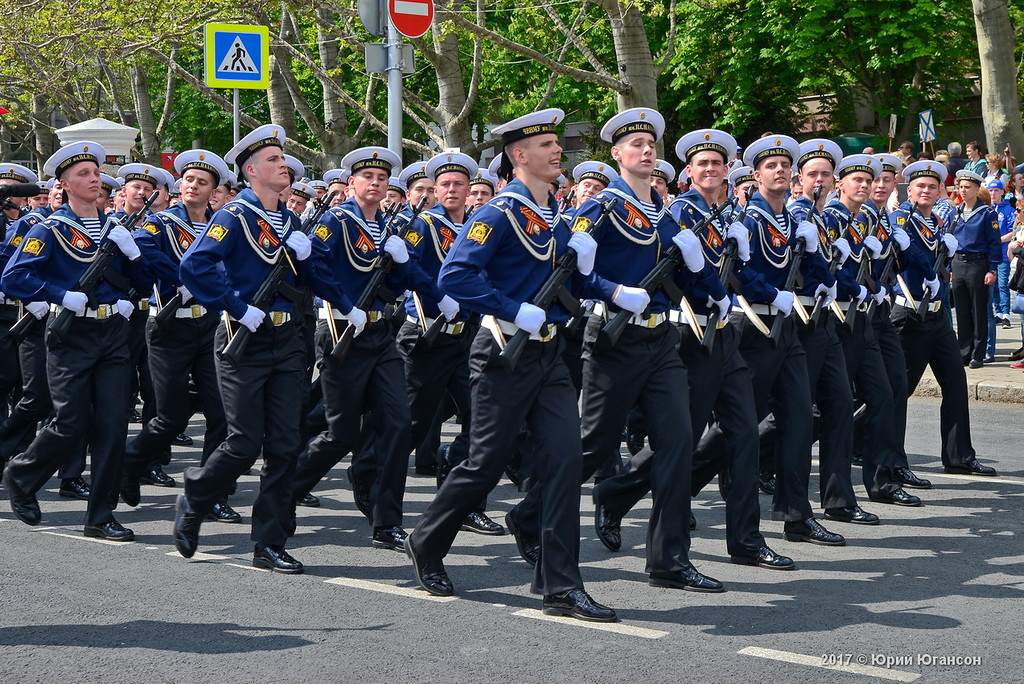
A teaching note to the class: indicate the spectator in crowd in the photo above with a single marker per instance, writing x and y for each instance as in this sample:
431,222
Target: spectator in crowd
956,161
1015,190
943,158
1000,292
905,152
868,150
994,170
976,162
1015,249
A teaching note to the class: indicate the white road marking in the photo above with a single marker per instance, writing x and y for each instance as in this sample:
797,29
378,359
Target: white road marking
389,589
82,537
976,479
247,567
617,627
199,556
815,661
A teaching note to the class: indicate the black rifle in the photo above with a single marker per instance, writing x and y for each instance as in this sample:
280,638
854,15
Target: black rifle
725,274
321,205
941,255
864,278
797,260
660,277
553,290
97,270
372,291
888,274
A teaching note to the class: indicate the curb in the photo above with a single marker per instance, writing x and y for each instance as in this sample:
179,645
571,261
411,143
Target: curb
979,390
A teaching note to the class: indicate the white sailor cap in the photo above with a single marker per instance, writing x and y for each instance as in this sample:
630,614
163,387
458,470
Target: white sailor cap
109,184
175,187
596,170
635,120
484,176
889,162
18,173
334,176
926,168
495,165
202,160
295,167
561,180
819,148
771,146
741,174
534,123
72,153
345,175
413,172
48,185
706,140
147,173
864,163
303,190
168,178
230,179
371,158
268,135
964,174
447,162
396,185
662,169
317,184
684,177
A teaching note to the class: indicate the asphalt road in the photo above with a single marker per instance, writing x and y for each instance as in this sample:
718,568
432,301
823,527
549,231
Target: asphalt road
942,581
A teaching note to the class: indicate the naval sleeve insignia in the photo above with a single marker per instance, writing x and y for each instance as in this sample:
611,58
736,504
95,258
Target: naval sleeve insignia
33,246
413,237
151,227
16,241
479,232
581,225
322,232
217,232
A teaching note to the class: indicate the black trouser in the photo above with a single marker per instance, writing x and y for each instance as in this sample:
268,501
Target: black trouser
896,372
881,444
931,343
643,368
721,384
178,349
539,393
781,387
35,404
970,301
10,373
262,404
370,379
142,383
433,375
88,372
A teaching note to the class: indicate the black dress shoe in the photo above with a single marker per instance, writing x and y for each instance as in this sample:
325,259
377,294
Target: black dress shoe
479,522
529,548
360,493
693,522
852,514
23,504
907,478
972,467
158,478
308,501
186,527
513,469
222,512
765,558
389,538
635,441
858,459
607,526
428,470
134,416
578,604
766,483
444,466
275,559
76,488
689,580
131,492
433,578
811,530
182,440
897,498
111,531
975,363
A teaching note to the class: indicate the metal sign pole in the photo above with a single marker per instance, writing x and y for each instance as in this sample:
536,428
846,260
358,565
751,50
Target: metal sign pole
394,89
235,115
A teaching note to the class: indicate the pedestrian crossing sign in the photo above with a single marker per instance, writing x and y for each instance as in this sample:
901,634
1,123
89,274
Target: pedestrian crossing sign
237,56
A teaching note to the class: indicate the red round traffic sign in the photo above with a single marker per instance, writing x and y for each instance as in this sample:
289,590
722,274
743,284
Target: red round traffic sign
412,18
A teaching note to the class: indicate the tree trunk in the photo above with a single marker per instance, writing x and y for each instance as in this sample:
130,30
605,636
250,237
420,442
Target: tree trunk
41,131
279,102
633,55
335,142
144,114
999,104
451,91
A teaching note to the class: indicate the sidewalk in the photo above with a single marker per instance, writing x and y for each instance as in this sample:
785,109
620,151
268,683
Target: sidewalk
996,381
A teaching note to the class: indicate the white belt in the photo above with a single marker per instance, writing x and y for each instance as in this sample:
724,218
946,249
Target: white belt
683,318
510,329
100,312
456,328
764,309
142,305
905,303
275,318
194,311
9,301
372,316
639,320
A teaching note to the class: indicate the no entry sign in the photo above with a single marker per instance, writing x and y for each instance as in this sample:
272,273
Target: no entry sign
412,18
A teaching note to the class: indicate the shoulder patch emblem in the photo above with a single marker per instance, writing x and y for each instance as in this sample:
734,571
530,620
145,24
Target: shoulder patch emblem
16,241
900,220
413,237
479,232
33,246
322,232
581,225
151,227
217,232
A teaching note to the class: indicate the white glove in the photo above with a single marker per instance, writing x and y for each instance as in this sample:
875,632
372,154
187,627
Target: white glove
932,286
809,232
37,309
252,318
530,318
395,246
901,238
828,292
125,308
879,296
861,296
843,247
585,247
632,299
76,301
124,241
874,246
951,244
357,319
689,244
723,305
299,243
449,308
185,294
784,302
738,232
